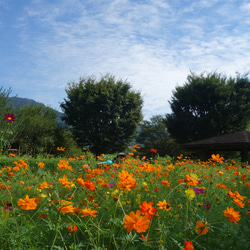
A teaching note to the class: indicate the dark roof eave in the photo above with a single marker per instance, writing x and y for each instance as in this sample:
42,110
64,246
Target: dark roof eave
218,146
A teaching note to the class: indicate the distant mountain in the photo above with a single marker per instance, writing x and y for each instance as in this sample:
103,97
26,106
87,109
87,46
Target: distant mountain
18,101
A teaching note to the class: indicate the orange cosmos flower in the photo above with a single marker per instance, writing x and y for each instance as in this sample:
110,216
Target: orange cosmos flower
190,180
201,227
99,157
166,183
153,150
247,185
11,174
44,185
64,181
27,203
148,209
248,202
21,163
180,181
9,168
67,209
136,222
127,182
180,156
188,245
89,185
16,169
65,203
235,195
164,205
221,186
88,211
80,181
63,164
77,210
233,216
60,149
37,200
217,158
41,164
239,203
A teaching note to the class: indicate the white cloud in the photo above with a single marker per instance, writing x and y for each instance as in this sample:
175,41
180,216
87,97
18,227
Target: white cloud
153,44
245,7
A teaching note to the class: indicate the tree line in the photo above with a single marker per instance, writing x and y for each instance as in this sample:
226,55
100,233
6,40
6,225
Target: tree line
105,116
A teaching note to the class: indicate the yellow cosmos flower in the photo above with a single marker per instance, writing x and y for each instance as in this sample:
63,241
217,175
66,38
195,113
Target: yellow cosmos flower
190,194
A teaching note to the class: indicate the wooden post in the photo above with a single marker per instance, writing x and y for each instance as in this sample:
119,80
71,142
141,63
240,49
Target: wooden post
244,155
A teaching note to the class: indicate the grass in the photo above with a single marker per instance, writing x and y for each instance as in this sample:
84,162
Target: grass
75,205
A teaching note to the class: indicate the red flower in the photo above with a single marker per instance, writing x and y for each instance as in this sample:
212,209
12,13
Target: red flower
72,228
188,245
153,150
10,117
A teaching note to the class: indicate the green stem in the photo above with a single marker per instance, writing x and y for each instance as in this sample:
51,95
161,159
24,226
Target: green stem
186,218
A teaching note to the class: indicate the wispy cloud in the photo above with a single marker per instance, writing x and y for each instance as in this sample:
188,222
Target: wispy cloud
152,43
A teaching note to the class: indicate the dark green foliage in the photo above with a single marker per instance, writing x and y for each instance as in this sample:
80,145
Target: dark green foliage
38,124
209,105
239,104
154,134
37,128
103,114
65,138
4,102
7,129
19,102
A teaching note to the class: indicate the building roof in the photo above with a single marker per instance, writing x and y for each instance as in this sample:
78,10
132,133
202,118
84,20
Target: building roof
234,141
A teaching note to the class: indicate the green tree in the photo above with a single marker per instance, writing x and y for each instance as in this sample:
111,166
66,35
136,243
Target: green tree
65,138
38,124
8,130
154,134
239,103
209,105
103,114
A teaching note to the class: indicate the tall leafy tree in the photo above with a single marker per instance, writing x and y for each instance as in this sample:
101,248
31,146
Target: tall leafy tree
8,130
38,124
103,114
239,104
4,101
209,105
153,134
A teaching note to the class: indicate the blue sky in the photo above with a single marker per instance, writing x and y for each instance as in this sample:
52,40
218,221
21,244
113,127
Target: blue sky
153,44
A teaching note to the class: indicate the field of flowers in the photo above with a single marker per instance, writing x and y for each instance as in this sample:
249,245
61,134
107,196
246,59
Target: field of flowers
162,204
